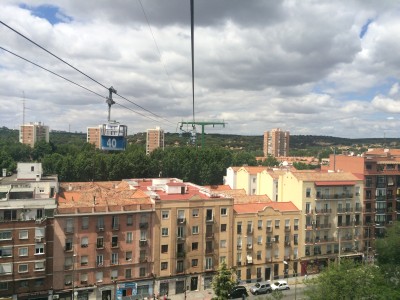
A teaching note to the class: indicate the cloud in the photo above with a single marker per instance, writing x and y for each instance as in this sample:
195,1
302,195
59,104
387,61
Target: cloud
304,66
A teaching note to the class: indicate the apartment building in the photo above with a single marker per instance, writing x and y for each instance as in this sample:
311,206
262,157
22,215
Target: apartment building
154,139
268,182
247,179
193,234
27,203
31,133
381,194
332,208
265,235
276,142
103,237
93,136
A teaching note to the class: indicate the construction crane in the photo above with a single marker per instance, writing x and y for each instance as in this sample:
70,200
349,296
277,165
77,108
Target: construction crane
200,123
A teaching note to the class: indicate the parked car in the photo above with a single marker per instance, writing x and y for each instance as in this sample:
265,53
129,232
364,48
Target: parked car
261,288
238,292
280,285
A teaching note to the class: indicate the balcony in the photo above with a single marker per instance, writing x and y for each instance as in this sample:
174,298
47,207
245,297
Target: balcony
143,225
287,228
142,243
180,237
115,227
209,220
68,267
324,226
100,228
68,247
180,254
181,221
323,211
269,228
209,235
143,259
209,250
69,230
345,210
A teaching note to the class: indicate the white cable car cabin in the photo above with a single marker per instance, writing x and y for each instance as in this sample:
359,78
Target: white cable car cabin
113,136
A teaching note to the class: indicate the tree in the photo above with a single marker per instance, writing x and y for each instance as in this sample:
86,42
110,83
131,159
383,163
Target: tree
349,280
223,282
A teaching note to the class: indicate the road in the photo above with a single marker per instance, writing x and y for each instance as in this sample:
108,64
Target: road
287,295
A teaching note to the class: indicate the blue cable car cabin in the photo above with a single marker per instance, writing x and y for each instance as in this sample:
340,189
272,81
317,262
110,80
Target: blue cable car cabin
113,136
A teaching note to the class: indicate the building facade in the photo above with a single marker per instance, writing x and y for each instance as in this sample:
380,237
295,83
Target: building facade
31,133
154,139
276,143
332,209
381,195
26,233
93,136
104,240
265,235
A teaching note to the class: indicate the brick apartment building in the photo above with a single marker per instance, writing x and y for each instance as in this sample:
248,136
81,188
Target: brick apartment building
26,233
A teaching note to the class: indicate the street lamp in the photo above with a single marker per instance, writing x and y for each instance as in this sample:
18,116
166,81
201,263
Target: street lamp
295,282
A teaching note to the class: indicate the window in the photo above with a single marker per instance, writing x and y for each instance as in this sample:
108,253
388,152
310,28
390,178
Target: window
209,263
277,224
287,224
209,215
99,260
259,224
5,235
23,251
308,192
259,240
39,265
165,214
142,272
195,213
99,276
195,246
128,273
5,252
69,225
114,274
195,229
100,242
164,231
100,223
5,268
164,265
223,244
195,262
224,211
39,248
84,278
23,234
84,260
68,279
22,268
129,237
3,286
128,255
129,220
84,242
223,227
222,259
296,224
179,266
164,248
115,222
23,284
114,258
143,235
85,223
114,241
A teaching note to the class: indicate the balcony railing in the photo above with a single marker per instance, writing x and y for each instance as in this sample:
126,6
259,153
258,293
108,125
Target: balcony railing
209,250
142,243
143,225
344,210
180,254
181,221
115,227
323,211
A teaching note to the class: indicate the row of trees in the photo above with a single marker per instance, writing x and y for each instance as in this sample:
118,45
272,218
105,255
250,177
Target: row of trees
82,162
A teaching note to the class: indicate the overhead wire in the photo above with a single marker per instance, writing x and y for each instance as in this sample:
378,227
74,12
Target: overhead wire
73,82
76,69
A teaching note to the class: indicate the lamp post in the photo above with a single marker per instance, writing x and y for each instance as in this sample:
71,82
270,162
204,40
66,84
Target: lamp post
295,282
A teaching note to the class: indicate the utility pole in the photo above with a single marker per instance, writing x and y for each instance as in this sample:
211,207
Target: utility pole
202,124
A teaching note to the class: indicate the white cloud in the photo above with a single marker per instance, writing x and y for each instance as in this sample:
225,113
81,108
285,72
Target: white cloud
297,65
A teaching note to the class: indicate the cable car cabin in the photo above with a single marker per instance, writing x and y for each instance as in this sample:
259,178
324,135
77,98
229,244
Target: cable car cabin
113,136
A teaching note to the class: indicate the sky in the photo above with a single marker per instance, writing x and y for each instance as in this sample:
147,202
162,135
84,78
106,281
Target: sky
311,67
